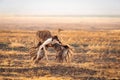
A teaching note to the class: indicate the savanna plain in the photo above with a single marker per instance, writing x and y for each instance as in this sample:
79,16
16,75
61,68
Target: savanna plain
95,56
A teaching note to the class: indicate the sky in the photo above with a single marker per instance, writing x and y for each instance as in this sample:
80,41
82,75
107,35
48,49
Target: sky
60,7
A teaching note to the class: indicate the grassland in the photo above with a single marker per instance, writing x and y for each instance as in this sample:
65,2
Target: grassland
51,23
96,56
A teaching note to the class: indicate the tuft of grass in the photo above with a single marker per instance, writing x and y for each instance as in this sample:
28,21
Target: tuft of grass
12,45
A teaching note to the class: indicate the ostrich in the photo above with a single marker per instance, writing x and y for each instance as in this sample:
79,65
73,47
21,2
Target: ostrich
42,36
64,52
42,48
47,40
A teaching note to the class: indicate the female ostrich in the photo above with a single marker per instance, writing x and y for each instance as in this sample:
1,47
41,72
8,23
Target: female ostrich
42,36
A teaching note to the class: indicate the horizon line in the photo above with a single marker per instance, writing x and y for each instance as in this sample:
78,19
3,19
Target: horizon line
60,15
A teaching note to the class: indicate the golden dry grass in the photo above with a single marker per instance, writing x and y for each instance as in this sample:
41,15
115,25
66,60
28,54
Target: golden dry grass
96,57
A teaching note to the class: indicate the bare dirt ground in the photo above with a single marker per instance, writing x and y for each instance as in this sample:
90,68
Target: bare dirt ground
96,57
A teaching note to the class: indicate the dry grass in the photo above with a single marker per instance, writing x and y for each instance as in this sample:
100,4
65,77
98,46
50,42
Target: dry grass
96,56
